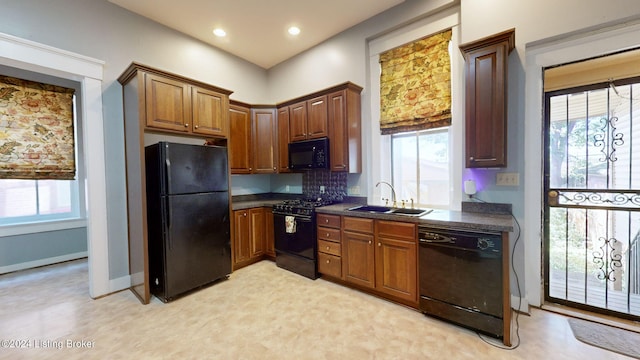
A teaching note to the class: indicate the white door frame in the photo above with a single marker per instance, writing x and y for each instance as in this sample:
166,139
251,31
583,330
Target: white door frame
28,55
563,49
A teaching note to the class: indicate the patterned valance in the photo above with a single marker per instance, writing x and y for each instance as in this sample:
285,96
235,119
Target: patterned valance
415,85
36,130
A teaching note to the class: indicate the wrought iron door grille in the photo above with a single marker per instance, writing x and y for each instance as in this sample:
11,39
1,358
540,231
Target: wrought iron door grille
592,207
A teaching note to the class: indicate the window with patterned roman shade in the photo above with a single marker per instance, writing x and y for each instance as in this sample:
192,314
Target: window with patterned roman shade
415,85
36,130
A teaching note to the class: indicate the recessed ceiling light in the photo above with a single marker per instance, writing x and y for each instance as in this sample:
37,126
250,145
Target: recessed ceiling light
294,30
219,32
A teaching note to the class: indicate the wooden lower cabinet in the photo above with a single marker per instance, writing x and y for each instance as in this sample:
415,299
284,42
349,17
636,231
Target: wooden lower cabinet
396,257
269,246
376,255
358,258
241,237
257,231
253,236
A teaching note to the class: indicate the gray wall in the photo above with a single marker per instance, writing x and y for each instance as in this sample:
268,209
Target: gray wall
102,30
99,29
345,57
45,245
33,247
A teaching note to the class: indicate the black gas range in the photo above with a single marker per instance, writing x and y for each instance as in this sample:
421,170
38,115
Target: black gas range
295,235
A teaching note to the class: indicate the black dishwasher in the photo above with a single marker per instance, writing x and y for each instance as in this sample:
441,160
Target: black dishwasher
461,278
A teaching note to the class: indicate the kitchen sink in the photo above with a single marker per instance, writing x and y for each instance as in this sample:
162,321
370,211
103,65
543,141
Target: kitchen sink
411,212
390,210
371,208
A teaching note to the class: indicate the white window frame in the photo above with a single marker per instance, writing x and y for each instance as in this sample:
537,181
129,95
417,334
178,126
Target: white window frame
76,218
378,168
420,172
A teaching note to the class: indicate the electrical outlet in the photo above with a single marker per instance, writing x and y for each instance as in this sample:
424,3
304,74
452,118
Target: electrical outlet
321,189
508,179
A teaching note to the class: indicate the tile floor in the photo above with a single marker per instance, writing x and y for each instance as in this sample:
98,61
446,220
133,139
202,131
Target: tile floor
261,312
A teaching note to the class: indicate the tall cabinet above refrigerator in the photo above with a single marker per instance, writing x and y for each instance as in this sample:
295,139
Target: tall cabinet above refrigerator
187,217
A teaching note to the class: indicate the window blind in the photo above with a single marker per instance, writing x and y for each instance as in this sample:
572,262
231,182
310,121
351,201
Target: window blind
36,130
415,85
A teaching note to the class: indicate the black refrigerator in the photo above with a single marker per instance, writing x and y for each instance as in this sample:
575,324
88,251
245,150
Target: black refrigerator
188,224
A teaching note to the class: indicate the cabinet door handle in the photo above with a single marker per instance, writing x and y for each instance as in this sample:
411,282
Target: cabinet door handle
196,126
369,242
245,214
186,125
379,244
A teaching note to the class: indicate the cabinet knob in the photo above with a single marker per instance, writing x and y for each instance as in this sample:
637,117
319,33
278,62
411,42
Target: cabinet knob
196,126
326,221
245,214
274,168
379,244
328,261
369,242
186,125
328,248
327,234
471,158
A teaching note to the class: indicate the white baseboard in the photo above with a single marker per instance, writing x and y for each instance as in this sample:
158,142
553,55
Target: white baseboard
524,306
42,262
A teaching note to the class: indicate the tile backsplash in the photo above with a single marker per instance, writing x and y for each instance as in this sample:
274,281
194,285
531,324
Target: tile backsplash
335,184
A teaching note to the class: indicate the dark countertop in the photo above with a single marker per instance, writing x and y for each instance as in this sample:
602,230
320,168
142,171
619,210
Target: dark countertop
248,204
438,218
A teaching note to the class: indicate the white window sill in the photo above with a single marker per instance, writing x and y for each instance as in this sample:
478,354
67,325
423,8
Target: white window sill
44,226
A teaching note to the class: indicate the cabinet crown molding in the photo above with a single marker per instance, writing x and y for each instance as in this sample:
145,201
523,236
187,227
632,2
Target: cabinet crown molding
508,36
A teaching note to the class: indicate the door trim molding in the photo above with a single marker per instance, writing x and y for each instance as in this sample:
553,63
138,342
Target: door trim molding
32,56
574,46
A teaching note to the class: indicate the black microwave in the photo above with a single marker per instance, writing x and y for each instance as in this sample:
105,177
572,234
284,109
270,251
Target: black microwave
309,154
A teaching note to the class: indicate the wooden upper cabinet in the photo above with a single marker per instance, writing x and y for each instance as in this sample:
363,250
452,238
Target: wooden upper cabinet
486,99
174,104
265,154
345,138
298,122
167,103
308,119
317,117
209,112
240,156
283,139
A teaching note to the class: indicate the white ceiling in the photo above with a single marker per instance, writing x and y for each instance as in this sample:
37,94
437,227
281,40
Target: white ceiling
257,29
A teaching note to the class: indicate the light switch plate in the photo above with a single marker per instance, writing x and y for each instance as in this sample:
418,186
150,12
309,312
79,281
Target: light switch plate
508,179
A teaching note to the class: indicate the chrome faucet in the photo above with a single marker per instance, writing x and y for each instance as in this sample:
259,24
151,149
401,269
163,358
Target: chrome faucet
393,191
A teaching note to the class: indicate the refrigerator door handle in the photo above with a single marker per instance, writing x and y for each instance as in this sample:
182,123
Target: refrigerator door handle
168,217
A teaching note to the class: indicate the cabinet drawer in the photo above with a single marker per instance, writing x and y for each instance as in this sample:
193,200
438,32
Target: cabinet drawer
328,234
329,247
396,230
329,220
358,224
329,265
